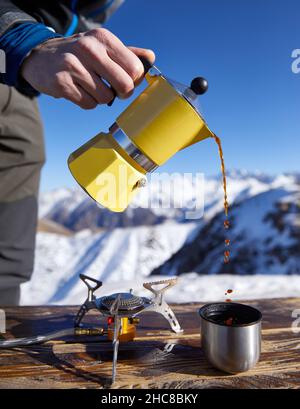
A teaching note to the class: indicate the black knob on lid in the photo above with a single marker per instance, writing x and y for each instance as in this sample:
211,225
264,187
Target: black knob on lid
199,85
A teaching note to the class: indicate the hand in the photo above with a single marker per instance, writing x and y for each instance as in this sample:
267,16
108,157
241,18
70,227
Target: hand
74,68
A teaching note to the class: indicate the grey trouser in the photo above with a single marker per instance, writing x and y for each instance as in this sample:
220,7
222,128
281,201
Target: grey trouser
21,158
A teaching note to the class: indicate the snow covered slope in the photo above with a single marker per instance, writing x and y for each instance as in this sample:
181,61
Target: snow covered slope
113,257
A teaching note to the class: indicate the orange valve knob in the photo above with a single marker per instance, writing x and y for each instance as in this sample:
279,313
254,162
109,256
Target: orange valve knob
110,320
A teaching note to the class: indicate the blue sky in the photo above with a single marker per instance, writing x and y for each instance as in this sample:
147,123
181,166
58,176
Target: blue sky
243,48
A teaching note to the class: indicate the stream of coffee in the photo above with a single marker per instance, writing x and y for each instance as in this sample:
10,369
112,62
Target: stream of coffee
218,141
229,320
226,221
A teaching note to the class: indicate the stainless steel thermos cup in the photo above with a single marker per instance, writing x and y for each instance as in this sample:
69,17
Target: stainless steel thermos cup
231,335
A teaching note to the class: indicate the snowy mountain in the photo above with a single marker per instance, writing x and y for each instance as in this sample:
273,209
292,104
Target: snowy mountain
75,236
114,257
264,239
161,200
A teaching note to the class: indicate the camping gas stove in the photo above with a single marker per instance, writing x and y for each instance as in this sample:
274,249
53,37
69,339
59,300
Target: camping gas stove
122,310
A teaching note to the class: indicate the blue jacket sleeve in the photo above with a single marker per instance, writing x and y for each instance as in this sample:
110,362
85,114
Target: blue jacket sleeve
16,43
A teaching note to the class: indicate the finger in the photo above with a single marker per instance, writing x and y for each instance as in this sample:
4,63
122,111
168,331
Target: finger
80,97
117,77
143,54
126,59
94,86
119,53
93,51
88,80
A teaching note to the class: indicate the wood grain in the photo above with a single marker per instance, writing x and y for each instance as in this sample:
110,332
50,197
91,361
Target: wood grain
150,361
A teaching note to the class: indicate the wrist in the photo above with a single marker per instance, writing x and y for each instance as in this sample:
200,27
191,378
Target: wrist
17,44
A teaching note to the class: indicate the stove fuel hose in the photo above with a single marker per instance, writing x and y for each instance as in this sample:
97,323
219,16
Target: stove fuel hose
39,339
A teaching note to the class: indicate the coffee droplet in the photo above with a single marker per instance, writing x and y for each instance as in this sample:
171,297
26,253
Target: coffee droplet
228,300
227,242
227,253
229,291
226,224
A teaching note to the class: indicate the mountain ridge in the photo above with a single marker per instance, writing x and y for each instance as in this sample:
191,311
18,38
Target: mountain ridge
264,234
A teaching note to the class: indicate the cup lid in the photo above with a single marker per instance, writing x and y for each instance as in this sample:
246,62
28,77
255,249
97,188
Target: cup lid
198,86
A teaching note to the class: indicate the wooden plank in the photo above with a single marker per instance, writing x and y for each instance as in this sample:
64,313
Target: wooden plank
149,361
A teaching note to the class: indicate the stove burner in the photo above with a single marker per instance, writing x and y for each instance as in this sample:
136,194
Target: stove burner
128,301
122,309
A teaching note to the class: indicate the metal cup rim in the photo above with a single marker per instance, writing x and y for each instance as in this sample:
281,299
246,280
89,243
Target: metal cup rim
204,307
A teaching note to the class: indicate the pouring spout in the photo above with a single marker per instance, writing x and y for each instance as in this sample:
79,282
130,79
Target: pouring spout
203,133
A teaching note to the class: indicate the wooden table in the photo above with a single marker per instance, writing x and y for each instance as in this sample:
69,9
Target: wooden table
156,359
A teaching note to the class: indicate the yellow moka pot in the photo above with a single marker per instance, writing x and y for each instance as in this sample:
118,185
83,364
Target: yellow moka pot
161,121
